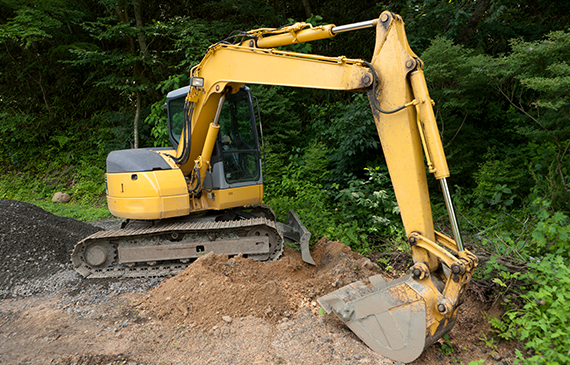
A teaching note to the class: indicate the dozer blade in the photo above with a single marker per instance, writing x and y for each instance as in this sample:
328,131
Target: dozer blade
389,317
296,231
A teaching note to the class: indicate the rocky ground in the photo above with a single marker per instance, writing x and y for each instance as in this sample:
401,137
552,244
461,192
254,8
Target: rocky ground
219,310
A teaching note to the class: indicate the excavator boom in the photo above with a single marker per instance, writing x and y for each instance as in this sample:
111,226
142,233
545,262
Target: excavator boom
399,318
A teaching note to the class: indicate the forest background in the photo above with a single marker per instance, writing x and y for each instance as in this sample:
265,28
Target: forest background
77,76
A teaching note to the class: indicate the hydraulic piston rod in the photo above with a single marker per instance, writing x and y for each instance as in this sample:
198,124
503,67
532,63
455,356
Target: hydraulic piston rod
354,26
451,213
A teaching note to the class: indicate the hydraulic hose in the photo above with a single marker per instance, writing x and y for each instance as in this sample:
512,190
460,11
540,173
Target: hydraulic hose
375,102
185,155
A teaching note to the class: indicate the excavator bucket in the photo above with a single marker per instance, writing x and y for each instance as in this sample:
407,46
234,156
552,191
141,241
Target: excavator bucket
295,231
392,318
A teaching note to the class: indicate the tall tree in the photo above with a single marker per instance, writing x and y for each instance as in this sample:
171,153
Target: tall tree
28,29
535,79
120,45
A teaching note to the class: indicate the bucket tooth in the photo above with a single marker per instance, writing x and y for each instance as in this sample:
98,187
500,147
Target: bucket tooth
389,317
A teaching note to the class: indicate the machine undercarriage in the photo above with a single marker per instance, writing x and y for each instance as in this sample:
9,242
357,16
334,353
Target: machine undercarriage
149,248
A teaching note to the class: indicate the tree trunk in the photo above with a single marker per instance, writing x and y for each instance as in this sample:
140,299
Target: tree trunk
307,7
138,19
480,9
124,18
138,69
136,122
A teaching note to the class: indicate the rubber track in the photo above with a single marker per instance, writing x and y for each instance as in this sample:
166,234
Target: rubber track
164,270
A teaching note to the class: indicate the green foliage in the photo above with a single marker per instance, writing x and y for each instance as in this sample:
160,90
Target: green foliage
533,79
349,132
158,117
549,173
20,132
503,177
528,173
190,40
477,362
469,113
542,323
128,64
33,21
294,187
372,203
540,241
90,183
446,347
427,19
542,66
551,232
281,125
158,121
500,21
242,11
86,188
365,207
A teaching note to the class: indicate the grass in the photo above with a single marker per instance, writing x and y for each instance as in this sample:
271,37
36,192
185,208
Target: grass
29,188
79,211
37,186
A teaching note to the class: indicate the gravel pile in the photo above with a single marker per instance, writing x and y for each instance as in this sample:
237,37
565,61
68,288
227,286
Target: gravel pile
35,246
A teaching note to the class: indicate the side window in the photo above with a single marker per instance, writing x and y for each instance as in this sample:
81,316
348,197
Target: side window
235,124
176,118
238,140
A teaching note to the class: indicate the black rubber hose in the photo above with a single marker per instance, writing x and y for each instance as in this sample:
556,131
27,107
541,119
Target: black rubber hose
375,102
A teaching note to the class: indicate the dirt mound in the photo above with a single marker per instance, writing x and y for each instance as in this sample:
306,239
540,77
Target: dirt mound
35,244
216,288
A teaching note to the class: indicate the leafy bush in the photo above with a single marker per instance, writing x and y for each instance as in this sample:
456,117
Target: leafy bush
157,119
22,135
371,202
350,136
365,207
90,184
279,116
297,186
551,232
507,169
542,323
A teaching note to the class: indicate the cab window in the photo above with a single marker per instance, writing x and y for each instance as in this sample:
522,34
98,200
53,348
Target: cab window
238,140
176,118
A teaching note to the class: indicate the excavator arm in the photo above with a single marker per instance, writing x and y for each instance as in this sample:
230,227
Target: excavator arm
399,318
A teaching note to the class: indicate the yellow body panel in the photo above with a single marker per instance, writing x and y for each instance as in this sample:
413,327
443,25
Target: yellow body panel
163,194
236,197
298,33
148,195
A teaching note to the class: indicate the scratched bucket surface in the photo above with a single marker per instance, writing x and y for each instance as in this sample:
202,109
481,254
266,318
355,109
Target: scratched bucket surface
389,317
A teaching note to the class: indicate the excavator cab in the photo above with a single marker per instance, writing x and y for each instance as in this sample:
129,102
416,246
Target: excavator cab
236,157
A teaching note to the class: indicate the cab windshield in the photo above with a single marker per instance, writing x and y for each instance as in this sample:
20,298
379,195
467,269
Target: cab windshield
238,140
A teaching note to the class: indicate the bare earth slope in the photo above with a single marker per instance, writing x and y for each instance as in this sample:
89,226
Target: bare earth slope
220,310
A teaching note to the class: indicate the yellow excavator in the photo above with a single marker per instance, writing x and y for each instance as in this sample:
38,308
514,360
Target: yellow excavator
205,193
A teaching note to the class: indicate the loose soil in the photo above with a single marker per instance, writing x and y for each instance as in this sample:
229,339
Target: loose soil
219,310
